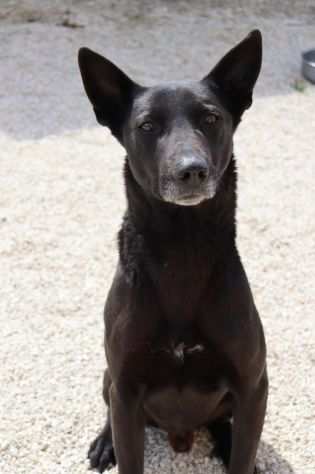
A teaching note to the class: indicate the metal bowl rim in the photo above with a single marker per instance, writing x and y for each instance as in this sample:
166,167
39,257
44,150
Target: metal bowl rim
309,57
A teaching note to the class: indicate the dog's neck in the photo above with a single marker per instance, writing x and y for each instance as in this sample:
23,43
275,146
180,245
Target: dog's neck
172,246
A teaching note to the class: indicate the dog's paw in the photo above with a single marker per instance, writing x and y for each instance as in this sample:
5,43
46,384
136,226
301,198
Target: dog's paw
101,453
221,454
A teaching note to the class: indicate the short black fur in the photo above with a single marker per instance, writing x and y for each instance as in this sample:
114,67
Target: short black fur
184,343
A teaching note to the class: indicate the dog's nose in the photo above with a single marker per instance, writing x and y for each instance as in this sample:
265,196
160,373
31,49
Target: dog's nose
192,171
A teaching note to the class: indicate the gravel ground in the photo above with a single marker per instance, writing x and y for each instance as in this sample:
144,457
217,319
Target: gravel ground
62,199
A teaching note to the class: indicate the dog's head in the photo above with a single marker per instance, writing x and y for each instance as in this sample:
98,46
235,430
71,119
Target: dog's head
178,136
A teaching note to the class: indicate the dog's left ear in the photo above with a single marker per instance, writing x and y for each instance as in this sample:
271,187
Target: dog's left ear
237,72
109,89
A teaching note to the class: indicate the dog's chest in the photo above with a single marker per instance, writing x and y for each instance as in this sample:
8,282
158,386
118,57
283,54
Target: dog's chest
181,352
181,281
182,358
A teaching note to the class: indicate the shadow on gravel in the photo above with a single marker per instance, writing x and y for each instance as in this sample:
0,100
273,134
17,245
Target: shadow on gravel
158,452
271,462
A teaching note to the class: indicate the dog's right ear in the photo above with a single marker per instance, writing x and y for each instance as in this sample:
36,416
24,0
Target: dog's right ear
236,73
109,89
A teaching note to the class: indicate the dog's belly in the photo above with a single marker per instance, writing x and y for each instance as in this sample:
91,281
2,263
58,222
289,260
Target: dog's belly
178,410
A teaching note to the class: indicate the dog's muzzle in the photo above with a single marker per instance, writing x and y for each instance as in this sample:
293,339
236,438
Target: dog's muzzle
189,184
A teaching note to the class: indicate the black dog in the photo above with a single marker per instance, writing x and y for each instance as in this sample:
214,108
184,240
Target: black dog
184,342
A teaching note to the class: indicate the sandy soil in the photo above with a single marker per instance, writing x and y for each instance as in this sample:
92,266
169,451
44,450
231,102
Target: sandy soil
62,199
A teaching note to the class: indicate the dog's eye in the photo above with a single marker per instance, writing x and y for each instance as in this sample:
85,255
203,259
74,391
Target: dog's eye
211,119
146,126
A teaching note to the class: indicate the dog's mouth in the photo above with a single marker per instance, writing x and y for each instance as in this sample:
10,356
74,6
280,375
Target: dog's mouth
189,200
171,193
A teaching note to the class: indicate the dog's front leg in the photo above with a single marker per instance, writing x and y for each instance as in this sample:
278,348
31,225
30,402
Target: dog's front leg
128,429
248,419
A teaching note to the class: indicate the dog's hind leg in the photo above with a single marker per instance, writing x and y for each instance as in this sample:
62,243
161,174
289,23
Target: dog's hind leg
221,433
101,453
